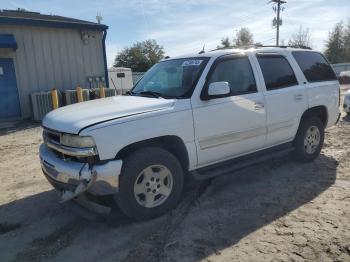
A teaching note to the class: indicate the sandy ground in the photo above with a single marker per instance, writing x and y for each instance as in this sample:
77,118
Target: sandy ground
279,210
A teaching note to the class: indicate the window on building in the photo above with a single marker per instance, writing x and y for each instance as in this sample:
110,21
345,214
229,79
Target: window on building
237,71
277,71
314,66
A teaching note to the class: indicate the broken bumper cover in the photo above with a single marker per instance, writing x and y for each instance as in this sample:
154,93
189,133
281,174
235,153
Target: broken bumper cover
73,178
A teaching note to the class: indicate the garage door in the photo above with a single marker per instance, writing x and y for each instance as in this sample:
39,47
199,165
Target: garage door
9,102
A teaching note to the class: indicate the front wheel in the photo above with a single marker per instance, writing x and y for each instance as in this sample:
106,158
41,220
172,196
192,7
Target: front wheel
151,183
309,139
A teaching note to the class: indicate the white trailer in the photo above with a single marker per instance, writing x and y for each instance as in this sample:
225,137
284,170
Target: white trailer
120,78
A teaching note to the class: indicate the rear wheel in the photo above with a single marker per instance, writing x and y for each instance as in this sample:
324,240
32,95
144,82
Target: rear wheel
309,139
150,184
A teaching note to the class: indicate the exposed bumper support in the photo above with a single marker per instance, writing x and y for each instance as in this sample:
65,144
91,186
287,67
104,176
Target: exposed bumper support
81,188
74,178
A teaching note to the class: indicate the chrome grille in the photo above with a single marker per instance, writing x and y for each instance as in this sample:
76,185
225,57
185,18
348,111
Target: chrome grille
51,136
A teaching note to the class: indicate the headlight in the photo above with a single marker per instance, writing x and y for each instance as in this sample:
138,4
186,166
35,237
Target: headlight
77,141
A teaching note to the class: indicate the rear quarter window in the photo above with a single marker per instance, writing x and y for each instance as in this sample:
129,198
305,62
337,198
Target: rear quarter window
314,66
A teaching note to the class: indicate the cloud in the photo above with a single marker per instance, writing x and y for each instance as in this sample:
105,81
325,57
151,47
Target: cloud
184,26
111,51
188,31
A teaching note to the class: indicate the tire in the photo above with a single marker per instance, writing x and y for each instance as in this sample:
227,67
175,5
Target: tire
309,139
145,170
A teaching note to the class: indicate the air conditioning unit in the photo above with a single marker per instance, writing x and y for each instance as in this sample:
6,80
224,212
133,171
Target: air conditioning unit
108,92
41,104
71,96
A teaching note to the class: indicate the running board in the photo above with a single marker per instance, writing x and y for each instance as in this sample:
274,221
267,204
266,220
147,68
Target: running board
229,166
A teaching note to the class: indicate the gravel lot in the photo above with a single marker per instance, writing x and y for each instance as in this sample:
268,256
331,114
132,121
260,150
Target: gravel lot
279,210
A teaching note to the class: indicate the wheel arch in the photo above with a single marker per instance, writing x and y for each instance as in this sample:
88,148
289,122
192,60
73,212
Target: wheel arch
319,111
171,143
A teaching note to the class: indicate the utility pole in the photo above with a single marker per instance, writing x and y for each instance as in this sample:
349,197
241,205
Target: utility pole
277,22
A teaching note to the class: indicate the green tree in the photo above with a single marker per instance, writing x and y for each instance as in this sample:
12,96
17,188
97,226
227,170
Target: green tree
301,38
140,56
347,41
225,43
243,39
335,46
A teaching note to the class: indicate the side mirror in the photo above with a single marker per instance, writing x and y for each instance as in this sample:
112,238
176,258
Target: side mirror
218,89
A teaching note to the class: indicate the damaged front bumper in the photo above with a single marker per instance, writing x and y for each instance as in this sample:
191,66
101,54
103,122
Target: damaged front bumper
73,178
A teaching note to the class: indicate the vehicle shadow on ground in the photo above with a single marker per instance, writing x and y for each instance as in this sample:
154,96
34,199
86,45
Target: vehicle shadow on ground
233,206
212,215
13,127
236,205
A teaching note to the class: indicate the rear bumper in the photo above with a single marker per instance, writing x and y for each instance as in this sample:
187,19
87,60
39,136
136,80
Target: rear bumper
67,175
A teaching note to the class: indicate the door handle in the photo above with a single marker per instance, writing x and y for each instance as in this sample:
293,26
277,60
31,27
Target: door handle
298,97
258,106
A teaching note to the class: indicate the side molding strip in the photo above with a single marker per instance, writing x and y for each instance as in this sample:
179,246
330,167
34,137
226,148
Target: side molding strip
281,125
231,137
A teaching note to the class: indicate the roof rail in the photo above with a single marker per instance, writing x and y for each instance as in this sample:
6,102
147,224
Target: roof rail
284,46
261,46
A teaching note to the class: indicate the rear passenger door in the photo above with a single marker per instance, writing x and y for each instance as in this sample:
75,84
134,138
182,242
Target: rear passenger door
284,94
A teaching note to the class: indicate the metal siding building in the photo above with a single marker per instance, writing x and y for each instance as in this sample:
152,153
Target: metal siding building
48,52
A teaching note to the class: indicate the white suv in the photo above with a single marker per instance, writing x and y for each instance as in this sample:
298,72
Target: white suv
191,115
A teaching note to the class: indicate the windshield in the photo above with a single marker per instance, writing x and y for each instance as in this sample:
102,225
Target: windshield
171,79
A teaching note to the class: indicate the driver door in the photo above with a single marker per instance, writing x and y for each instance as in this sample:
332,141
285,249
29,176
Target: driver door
234,125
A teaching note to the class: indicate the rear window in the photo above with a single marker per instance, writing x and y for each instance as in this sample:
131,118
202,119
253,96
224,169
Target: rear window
314,66
277,71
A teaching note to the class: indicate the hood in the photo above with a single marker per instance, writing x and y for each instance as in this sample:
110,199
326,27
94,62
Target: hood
71,119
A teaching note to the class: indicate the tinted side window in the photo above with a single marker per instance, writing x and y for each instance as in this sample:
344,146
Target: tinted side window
277,71
238,72
314,66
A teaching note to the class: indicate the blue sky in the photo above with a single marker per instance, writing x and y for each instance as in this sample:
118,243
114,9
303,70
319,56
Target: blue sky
184,26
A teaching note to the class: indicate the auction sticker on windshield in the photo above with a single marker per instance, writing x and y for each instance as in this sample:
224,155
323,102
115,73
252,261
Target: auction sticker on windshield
192,62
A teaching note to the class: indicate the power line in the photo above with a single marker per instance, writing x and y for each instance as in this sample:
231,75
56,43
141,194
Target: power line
277,21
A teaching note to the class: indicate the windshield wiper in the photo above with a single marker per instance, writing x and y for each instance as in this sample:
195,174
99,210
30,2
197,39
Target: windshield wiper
150,93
